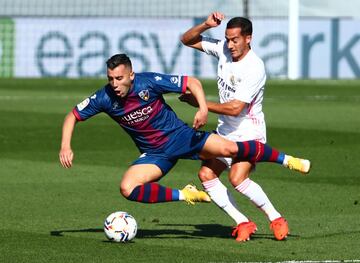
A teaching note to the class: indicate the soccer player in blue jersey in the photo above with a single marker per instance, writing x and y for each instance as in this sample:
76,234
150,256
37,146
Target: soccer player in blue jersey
135,102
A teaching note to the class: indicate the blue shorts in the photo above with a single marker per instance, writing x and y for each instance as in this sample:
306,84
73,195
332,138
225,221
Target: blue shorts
187,145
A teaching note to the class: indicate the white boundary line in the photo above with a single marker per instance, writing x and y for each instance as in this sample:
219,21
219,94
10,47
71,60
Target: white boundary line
300,261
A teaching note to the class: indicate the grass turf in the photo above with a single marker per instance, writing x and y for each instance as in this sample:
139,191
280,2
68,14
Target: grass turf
50,214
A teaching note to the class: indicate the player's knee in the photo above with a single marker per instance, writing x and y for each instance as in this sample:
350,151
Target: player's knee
206,175
237,179
233,148
126,190
230,149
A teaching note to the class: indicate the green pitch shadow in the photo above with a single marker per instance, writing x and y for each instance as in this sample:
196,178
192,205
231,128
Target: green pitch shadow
172,231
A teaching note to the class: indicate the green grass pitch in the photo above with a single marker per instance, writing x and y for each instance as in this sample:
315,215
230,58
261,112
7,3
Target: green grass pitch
50,214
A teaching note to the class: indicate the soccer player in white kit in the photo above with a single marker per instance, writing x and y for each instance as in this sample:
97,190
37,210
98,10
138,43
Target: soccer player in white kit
241,81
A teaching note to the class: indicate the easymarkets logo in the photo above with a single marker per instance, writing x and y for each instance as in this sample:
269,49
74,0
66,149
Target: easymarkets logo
7,35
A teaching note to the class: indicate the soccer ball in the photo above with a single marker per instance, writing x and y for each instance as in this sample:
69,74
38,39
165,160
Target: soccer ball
120,227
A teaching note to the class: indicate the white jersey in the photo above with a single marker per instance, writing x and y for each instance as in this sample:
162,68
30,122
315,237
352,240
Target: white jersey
243,80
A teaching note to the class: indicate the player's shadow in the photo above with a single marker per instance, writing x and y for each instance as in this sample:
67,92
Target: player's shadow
202,231
60,233
197,231
174,231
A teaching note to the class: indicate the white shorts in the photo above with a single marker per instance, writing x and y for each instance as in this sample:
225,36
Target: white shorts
244,134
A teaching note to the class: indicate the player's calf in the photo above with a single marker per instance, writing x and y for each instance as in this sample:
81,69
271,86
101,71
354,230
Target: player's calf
255,151
153,193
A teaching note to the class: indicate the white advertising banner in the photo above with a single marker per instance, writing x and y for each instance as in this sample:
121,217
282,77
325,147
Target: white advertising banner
80,47
70,47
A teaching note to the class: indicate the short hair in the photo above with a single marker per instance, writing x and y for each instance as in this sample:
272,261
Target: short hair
118,59
241,22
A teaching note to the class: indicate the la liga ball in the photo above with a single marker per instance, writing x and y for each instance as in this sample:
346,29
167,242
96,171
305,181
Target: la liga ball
120,226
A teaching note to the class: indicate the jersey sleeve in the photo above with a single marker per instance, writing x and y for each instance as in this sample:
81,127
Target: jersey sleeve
164,83
248,87
89,106
212,46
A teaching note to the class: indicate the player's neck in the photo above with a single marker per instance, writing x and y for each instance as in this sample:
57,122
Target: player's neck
242,55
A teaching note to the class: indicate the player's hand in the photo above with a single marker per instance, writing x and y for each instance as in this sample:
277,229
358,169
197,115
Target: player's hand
66,157
189,99
214,19
200,119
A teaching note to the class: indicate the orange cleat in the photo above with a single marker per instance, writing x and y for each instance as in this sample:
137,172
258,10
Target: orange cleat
244,230
280,228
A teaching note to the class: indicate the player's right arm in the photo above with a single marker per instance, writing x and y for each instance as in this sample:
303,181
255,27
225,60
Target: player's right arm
84,110
66,154
196,89
192,37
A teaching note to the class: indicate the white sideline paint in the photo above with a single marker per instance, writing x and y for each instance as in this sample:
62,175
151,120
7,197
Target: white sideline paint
301,261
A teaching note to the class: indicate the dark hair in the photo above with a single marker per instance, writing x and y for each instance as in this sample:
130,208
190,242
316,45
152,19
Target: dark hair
241,22
118,59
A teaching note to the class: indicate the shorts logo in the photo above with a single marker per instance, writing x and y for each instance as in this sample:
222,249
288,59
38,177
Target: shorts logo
199,134
144,95
157,78
174,80
82,105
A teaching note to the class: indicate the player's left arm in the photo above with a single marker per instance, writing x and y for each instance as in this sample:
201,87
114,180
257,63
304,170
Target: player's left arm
195,88
231,108
246,91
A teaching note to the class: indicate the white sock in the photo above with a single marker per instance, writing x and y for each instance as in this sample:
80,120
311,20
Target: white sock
256,194
286,159
181,196
223,199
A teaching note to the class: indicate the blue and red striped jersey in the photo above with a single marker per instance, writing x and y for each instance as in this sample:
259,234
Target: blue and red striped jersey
143,113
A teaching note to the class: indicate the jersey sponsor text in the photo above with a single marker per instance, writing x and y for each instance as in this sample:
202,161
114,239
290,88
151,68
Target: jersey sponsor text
138,115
